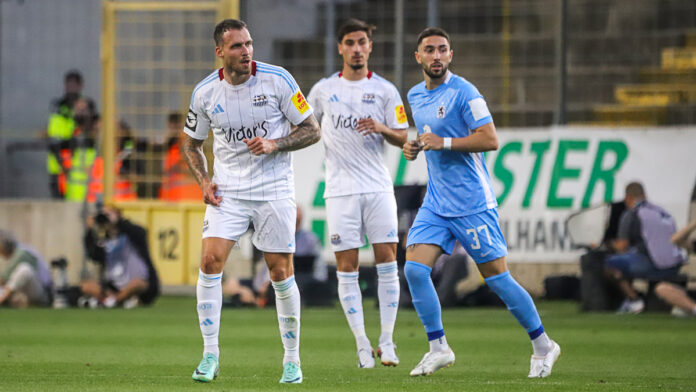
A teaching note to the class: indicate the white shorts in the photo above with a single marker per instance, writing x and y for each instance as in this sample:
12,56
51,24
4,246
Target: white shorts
274,222
352,217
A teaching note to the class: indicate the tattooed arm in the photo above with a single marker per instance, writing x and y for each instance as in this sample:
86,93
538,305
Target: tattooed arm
302,135
193,153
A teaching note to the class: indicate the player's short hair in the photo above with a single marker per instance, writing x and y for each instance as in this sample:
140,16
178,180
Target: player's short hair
225,25
8,243
73,74
431,31
635,189
352,25
174,117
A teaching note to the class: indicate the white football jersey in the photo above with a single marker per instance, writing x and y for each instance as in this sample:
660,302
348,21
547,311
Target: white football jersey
355,163
264,106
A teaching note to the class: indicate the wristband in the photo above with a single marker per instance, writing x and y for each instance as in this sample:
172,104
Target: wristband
447,143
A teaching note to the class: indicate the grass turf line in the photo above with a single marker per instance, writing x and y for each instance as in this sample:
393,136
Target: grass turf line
157,349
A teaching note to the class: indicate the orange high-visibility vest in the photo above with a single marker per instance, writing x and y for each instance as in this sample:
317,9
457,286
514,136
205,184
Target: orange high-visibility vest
177,183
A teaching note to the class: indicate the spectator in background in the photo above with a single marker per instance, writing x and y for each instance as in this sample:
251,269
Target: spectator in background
309,263
25,281
177,182
448,271
643,247
120,247
671,293
85,168
59,132
125,166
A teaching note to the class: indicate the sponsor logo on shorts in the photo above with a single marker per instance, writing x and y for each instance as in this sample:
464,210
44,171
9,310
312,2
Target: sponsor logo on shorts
259,100
335,239
291,244
441,112
391,234
400,114
300,102
205,225
368,98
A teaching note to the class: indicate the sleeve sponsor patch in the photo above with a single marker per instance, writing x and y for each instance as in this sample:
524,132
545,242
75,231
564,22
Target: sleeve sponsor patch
479,109
400,114
300,102
191,120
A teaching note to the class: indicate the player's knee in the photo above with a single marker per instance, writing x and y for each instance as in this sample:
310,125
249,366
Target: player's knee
211,263
416,272
279,273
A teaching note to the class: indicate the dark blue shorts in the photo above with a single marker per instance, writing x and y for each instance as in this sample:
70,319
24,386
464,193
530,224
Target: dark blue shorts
479,233
634,264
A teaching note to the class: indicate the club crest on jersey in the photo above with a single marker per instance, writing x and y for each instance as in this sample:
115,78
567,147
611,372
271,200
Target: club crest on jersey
191,120
368,98
441,112
300,102
259,100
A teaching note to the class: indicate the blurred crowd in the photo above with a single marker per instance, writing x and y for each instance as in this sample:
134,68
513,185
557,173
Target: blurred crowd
144,168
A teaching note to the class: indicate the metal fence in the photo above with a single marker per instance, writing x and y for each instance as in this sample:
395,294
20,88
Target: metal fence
537,63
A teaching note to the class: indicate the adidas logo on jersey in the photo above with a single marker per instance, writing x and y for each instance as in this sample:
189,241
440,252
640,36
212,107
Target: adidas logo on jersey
333,98
218,109
368,98
259,100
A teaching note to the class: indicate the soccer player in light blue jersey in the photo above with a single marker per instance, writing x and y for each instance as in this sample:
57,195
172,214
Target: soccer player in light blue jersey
454,129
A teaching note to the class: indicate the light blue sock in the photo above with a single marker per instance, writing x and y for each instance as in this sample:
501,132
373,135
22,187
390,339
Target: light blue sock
424,298
518,301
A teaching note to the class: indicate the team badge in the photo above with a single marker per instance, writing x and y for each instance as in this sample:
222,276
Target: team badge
300,102
441,112
205,225
368,98
400,114
335,239
259,100
191,120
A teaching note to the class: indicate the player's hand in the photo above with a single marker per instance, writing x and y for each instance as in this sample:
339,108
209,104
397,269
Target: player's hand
368,126
411,149
430,141
260,146
209,189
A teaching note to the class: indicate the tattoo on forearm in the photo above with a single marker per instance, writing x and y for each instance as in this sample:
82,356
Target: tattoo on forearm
305,134
193,152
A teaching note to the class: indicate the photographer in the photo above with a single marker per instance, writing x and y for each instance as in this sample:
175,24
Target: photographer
24,281
120,247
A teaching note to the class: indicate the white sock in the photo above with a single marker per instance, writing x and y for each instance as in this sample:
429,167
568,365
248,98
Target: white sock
541,345
388,290
209,303
351,300
693,310
439,344
288,308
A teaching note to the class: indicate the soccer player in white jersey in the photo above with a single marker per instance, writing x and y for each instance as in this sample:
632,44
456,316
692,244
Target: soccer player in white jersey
359,111
454,129
257,114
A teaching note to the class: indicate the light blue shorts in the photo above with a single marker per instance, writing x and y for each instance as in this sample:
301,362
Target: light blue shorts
479,233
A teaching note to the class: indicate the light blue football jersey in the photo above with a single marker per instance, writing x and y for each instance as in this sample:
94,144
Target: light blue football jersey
458,182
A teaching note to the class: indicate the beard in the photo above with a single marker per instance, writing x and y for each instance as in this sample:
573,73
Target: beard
435,75
356,67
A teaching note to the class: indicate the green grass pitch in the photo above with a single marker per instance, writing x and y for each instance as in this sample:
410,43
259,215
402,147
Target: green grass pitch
157,349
